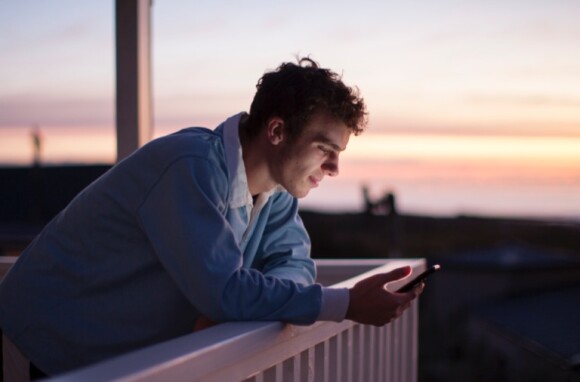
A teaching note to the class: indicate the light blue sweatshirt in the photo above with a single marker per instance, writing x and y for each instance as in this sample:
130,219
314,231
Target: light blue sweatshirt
167,234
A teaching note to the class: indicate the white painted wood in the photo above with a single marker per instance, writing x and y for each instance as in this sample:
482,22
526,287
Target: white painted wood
6,262
258,351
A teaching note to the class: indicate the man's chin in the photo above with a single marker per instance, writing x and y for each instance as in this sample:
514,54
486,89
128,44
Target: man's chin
299,194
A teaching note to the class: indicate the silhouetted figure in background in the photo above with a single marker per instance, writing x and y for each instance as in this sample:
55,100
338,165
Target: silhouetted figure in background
36,136
38,207
386,206
369,205
383,206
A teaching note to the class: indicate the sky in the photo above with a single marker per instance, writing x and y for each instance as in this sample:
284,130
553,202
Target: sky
474,106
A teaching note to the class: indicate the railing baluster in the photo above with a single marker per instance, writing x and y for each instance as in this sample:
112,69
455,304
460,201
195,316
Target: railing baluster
390,354
307,365
356,353
399,358
380,332
343,356
333,359
404,347
319,367
364,371
269,375
279,372
348,357
371,353
288,370
360,353
326,349
297,368
415,337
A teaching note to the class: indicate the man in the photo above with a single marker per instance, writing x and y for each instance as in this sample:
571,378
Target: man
200,225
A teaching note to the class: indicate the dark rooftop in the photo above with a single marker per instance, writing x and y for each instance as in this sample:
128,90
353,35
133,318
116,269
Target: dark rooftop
547,322
512,257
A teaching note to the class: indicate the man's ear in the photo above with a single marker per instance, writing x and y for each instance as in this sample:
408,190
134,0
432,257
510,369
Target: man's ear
276,130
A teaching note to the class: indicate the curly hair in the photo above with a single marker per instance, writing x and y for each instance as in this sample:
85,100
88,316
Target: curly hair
294,92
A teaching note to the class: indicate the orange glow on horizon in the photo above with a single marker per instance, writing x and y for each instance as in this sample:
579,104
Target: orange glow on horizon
530,150
480,172
84,145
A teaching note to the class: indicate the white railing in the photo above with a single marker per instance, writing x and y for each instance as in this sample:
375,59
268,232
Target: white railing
272,351
6,263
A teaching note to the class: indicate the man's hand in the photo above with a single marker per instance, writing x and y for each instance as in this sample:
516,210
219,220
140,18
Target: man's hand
370,303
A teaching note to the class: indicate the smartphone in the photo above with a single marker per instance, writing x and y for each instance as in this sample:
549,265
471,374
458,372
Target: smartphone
407,287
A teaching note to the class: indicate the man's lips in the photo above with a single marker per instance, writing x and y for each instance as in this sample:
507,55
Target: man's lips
314,181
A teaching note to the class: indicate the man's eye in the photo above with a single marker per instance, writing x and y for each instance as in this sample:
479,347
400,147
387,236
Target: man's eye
324,150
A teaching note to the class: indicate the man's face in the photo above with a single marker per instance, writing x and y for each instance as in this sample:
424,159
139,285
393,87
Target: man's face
302,162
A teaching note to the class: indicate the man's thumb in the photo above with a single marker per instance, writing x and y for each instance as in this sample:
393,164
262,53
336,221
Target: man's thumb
396,274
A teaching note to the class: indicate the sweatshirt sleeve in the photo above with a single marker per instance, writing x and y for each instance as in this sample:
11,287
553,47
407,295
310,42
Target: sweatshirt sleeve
285,246
183,218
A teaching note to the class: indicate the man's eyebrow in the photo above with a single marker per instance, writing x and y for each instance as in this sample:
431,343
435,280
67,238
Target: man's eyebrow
326,141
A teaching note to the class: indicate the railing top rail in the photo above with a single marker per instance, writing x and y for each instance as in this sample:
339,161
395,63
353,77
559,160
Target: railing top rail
6,262
246,347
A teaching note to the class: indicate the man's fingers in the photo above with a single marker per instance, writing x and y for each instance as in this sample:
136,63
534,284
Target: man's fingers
371,303
413,293
419,289
384,278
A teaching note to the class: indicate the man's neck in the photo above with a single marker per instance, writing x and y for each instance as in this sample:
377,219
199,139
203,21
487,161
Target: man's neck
254,155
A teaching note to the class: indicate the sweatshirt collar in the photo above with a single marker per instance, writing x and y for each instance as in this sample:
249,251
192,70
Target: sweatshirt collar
240,191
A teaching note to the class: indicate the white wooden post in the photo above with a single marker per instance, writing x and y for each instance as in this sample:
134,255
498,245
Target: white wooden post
133,57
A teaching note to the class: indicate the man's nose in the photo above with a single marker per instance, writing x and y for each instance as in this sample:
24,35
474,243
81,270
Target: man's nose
330,166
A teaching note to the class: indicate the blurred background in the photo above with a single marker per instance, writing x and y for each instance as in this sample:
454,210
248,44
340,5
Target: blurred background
471,158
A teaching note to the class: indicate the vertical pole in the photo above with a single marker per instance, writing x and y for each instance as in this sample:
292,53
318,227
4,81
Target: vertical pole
133,66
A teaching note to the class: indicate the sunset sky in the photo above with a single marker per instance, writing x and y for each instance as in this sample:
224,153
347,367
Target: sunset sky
474,105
